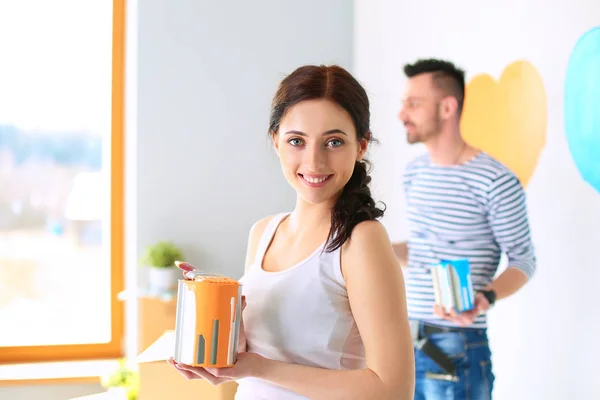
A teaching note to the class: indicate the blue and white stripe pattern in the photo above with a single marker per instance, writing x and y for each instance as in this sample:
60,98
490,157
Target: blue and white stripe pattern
475,210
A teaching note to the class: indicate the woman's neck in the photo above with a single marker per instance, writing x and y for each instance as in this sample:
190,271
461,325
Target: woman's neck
310,219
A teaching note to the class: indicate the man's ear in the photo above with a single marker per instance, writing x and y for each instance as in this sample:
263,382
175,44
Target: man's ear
448,107
274,137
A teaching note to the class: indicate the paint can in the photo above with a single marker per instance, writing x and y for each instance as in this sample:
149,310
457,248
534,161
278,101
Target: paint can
208,319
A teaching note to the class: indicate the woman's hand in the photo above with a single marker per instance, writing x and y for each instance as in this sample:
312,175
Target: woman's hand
190,372
247,365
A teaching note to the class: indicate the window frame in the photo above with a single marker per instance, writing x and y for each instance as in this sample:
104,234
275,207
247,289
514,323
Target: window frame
114,348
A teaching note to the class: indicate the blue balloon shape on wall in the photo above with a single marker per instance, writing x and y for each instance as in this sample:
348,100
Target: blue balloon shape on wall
582,106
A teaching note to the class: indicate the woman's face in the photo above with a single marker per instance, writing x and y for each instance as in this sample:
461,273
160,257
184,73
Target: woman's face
317,146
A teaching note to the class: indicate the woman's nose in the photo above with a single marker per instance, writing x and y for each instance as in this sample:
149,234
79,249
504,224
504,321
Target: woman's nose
315,158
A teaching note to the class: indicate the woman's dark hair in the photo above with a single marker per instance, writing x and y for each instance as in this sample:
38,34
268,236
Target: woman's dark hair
334,83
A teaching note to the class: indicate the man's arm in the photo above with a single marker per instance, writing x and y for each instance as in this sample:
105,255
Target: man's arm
507,216
401,251
508,282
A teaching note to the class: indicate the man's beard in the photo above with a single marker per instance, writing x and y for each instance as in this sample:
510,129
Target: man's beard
418,136
413,138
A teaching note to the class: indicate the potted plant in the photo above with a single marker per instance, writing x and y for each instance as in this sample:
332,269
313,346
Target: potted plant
123,379
159,259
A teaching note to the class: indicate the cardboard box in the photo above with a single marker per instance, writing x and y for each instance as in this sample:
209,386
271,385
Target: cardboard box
155,316
159,380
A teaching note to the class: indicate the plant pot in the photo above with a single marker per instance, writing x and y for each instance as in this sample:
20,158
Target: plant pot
162,280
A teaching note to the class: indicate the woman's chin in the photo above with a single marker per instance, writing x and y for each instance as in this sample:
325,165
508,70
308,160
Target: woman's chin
313,198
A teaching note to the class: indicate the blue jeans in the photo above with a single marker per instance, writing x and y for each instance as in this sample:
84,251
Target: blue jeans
470,352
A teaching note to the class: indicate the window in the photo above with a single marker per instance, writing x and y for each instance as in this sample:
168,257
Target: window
61,179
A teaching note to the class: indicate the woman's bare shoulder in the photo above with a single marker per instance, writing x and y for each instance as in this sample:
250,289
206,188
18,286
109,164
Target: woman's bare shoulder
256,232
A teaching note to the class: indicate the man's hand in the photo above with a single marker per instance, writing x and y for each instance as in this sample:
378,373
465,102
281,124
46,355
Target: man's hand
465,318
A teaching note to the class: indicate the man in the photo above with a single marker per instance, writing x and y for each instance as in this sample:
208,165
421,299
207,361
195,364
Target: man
461,204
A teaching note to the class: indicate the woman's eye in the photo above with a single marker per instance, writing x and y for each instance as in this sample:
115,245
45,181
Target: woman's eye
295,142
335,143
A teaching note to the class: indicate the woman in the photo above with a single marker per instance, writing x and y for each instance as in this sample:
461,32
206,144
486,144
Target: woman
326,311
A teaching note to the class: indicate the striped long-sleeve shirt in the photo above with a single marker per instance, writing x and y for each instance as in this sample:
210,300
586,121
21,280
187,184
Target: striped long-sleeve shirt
475,210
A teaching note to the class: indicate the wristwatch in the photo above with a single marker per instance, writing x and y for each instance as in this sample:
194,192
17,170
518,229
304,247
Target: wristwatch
490,295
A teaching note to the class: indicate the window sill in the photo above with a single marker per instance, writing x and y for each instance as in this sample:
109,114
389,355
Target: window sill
55,372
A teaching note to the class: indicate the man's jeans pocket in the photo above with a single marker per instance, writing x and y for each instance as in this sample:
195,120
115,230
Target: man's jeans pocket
453,344
435,382
470,354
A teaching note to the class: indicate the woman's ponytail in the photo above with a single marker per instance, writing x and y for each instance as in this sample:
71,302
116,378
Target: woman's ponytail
354,205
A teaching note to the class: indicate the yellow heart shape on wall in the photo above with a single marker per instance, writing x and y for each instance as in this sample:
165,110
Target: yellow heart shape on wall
508,118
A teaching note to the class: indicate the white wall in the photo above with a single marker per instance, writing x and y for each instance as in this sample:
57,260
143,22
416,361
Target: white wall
206,75
200,169
545,338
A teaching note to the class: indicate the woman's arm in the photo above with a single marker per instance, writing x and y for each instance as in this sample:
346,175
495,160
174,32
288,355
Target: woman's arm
401,251
377,298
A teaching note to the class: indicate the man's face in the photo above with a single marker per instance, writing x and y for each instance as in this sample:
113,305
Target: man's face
420,110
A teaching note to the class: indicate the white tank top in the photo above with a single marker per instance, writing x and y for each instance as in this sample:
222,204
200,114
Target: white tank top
300,315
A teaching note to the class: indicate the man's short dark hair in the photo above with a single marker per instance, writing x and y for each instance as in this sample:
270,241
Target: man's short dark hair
446,76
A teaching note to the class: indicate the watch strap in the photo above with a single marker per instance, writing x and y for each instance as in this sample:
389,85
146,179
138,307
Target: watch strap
490,295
